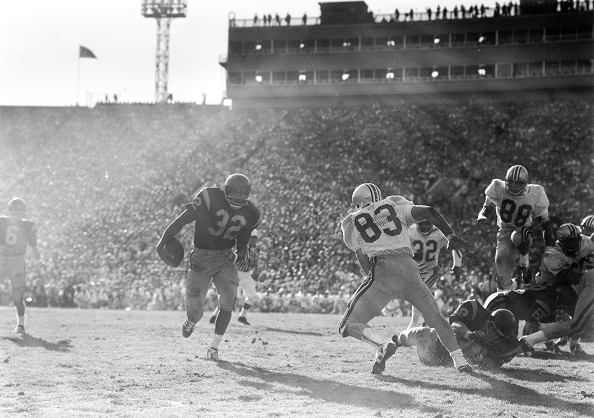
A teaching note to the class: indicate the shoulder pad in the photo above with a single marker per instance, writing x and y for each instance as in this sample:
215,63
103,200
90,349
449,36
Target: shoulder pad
494,189
399,200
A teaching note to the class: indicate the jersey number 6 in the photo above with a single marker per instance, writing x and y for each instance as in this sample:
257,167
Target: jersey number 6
370,232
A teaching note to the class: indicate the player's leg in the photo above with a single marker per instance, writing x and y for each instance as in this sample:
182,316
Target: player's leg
365,304
429,348
505,260
522,239
249,289
16,272
584,310
16,294
226,281
198,281
414,317
417,293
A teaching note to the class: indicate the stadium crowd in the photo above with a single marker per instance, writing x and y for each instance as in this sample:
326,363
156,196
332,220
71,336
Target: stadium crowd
103,183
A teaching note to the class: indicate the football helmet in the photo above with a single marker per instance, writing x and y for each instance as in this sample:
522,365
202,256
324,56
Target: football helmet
17,206
425,227
516,180
587,225
505,322
569,239
365,194
237,189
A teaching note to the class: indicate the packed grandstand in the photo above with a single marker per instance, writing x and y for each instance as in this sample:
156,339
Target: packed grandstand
103,183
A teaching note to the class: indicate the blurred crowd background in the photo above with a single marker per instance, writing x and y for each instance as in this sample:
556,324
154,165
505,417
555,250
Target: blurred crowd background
103,183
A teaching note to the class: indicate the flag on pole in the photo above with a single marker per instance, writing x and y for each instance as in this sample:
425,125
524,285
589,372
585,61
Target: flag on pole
86,53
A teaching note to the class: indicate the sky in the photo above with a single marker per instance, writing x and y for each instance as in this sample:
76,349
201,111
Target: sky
39,52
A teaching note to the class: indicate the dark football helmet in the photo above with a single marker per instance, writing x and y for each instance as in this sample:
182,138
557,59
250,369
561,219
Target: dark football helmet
17,206
569,238
365,194
425,227
505,325
587,225
237,189
516,179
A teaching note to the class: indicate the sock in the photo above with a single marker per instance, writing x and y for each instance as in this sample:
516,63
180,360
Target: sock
372,338
524,260
216,340
246,307
535,338
22,320
458,358
215,312
223,319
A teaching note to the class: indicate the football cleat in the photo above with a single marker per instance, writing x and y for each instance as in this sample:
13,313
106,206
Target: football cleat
577,350
466,368
243,320
20,329
382,355
213,319
526,347
212,354
187,328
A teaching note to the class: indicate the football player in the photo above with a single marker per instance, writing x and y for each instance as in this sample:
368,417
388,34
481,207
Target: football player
587,229
488,339
536,303
16,234
517,203
223,220
246,282
563,264
427,242
377,231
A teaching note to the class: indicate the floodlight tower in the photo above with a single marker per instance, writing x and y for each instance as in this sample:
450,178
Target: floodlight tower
164,11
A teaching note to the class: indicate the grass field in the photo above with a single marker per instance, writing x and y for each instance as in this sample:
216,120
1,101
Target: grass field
96,363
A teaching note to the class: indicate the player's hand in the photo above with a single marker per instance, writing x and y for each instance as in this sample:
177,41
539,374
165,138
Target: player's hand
240,256
456,243
481,219
477,336
457,272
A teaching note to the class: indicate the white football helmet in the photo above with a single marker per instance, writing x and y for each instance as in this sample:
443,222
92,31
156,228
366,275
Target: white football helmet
365,194
587,225
516,179
569,239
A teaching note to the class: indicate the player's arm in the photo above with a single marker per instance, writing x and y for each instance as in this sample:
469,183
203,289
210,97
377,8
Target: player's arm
420,212
32,243
485,212
456,264
547,230
37,256
363,261
174,228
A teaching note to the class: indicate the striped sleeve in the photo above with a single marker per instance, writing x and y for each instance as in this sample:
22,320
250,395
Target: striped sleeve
250,260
